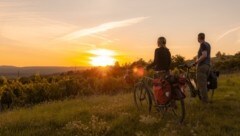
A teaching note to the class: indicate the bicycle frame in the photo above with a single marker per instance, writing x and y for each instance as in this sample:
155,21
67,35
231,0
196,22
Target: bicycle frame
191,80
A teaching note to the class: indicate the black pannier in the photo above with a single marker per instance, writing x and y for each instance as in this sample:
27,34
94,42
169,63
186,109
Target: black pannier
213,79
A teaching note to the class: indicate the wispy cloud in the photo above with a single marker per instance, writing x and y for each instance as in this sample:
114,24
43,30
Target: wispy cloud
33,30
18,24
228,32
101,28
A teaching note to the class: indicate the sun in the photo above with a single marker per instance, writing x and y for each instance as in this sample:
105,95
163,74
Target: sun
102,57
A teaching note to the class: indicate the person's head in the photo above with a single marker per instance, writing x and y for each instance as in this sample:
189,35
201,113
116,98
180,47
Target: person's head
201,37
162,42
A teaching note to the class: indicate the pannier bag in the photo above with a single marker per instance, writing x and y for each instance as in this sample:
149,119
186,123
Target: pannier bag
178,88
162,91
213,79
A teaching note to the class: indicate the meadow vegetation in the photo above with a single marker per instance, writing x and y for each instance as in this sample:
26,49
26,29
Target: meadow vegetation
116,115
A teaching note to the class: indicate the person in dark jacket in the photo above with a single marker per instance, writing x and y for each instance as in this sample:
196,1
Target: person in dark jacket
162,57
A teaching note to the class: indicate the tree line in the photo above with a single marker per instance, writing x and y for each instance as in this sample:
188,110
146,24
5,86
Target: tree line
27,91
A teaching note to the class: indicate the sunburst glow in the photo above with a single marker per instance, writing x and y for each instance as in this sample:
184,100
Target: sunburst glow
103,57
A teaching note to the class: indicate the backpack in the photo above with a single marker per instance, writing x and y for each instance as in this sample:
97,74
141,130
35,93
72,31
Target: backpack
213,80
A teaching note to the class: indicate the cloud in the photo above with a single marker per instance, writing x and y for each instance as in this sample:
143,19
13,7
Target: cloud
101,28
34,30
18,24
228,32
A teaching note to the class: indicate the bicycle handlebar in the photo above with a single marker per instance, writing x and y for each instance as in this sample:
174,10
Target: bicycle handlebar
188,66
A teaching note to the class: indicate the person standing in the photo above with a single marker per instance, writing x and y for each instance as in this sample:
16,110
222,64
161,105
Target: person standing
162,57
203,66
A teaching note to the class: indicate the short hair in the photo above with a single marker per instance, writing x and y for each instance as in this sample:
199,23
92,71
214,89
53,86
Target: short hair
201,36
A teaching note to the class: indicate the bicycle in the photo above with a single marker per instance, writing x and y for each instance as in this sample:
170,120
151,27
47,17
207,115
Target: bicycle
144,98
191,82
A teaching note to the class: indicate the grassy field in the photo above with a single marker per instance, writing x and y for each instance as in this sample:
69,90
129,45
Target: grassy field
117,116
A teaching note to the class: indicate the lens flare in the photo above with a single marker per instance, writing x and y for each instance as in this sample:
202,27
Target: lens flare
139,71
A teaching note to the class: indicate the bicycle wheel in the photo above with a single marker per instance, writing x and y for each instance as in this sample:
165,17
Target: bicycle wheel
142,98
178,107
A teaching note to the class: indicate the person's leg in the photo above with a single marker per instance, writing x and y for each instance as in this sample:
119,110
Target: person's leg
202,75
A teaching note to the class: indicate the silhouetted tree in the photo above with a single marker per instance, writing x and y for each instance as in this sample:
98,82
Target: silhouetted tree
237,54
177,60
139,63
218,54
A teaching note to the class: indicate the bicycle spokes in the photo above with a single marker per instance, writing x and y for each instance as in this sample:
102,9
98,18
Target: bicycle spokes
142,98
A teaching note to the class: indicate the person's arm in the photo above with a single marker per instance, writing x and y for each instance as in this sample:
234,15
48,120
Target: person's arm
154,61
203,56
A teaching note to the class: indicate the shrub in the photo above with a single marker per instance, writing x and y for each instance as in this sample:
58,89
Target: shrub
3,80
6,98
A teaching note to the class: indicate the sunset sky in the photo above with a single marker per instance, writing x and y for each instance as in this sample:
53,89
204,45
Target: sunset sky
70,32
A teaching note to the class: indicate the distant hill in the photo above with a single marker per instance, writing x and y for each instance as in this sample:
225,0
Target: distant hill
12,71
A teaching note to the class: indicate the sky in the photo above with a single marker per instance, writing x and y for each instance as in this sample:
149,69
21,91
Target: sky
64,33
